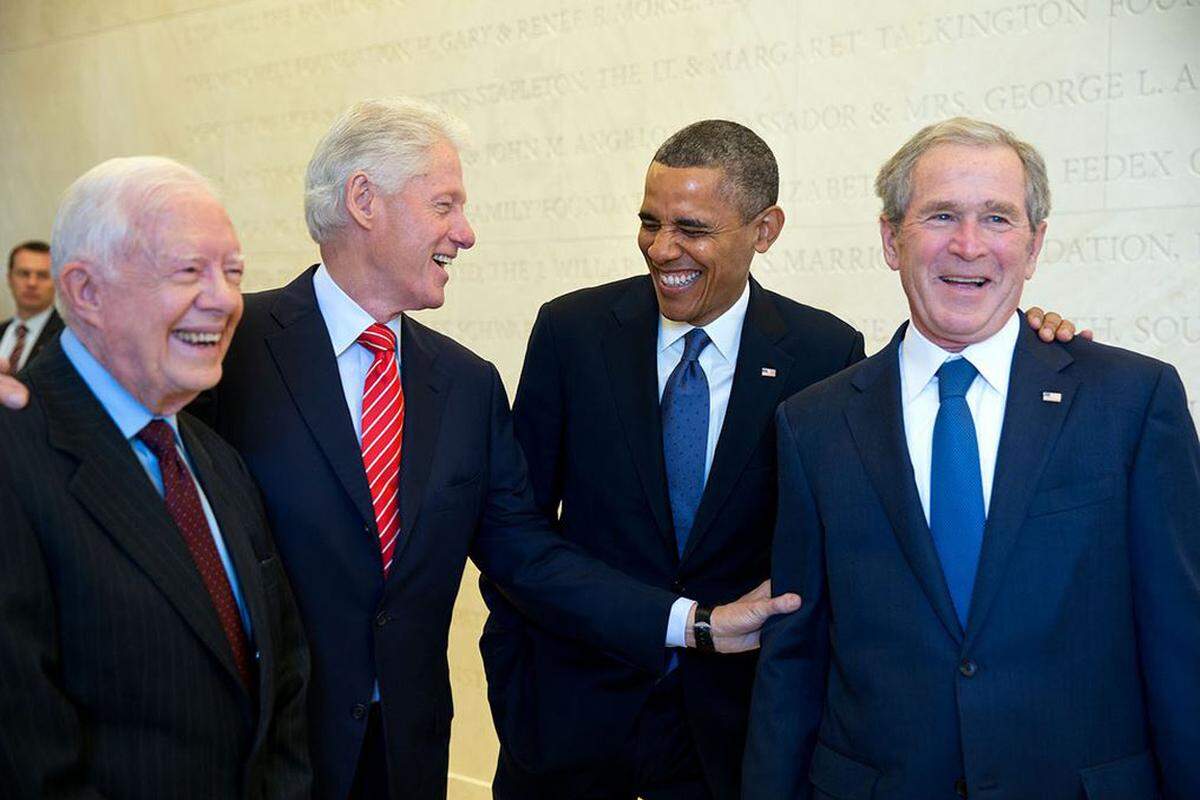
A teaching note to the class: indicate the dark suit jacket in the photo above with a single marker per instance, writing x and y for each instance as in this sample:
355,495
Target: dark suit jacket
1078,674
463,492
50,332
116,679
587,416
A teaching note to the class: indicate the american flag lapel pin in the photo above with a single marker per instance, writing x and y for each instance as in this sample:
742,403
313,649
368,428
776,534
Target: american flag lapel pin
1051,397
768,372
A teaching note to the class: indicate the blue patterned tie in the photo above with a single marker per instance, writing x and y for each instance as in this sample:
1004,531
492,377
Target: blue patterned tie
956,490
685,434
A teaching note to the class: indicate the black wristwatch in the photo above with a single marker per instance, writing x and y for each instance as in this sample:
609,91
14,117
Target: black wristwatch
702,629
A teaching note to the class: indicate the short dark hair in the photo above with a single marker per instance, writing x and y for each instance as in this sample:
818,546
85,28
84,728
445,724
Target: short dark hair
749,165
36,245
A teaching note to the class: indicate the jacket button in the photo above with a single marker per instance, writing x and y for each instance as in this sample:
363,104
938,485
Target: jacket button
382,619
960,787
968,668
359,711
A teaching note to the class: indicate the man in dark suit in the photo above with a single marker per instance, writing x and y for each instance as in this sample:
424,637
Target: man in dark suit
575,722
36,322
149,644
307,372
995,540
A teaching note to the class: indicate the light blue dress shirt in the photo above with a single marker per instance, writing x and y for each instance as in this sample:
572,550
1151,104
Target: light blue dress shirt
130,417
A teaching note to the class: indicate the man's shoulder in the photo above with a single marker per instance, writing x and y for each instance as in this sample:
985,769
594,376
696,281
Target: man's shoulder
808,321
591,301
830,396
449,352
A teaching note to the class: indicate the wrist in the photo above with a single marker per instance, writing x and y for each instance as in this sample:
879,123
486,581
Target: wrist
701,629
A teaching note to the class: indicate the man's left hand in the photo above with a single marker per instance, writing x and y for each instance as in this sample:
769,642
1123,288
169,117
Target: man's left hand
736,625
1051,326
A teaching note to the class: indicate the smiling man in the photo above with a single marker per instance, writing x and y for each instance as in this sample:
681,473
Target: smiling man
36,322
995,538
149,644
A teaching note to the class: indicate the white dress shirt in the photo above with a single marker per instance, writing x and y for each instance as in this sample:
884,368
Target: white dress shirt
34,326
920,360
719,362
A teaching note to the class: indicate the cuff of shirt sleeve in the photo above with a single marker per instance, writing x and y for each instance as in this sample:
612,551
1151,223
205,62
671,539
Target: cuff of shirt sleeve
677,622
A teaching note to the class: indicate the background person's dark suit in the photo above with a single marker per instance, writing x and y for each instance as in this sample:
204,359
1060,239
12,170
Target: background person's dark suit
587,416
116,678
463,492
1078,674
50,332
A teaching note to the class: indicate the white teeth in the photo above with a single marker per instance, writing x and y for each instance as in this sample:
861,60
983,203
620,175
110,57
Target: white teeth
196,337
676,280
442,259
964,281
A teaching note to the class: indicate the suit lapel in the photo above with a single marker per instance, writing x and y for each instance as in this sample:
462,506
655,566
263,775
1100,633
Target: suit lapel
306,363
112,485
752,403
1031,428
629,353
876,421
425,386
237,540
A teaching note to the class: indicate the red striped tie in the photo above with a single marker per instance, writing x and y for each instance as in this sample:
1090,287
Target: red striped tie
382,435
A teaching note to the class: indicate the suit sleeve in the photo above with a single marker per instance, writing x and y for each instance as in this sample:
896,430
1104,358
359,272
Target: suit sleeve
41,748
789,687
549,579
857,350
1164,535
538,416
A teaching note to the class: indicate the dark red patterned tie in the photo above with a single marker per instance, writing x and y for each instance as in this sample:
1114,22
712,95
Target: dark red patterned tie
14,358
183,504
382,435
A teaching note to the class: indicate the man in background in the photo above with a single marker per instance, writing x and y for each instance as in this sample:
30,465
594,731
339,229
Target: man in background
36,322
149,644
645,410
996,539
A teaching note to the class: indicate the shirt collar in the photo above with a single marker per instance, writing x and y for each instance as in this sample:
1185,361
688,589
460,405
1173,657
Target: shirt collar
920,359
723,332
38,320
129,415
344,319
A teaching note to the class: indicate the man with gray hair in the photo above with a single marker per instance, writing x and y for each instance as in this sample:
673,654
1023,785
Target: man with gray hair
995,539
149,644
385,455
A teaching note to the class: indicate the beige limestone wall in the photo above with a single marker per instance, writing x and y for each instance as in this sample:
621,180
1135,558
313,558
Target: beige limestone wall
568,101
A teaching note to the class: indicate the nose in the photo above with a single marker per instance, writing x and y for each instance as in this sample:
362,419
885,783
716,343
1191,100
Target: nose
462,234
967,241
663,247
220,293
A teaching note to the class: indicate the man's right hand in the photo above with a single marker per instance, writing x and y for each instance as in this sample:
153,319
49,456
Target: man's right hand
13,393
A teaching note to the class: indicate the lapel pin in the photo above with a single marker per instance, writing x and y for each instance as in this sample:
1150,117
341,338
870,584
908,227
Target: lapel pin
1051,397
768,372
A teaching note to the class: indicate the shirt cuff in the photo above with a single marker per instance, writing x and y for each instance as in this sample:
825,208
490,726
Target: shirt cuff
677,622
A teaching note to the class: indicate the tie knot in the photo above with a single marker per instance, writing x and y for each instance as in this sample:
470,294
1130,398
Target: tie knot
158,436
955,378
694,343
378,339
22,329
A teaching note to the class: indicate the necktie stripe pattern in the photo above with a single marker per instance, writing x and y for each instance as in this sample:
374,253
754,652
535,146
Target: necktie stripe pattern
14,358
956,514
383,435
183,504
684,410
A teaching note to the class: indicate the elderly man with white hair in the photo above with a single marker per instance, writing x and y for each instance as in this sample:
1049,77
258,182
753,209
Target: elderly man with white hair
149,643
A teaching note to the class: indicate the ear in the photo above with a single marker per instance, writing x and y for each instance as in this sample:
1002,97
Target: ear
891,244
1035,249
767,229
360,197
79,286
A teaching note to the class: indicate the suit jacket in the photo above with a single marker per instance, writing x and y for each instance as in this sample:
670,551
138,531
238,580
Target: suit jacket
116,679
1078,674
50,332
587,416
463,492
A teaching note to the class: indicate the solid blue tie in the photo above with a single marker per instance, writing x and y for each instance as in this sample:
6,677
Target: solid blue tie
956,515
685,434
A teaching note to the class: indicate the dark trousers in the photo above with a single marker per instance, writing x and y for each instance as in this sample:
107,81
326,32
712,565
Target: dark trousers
659,763
371,775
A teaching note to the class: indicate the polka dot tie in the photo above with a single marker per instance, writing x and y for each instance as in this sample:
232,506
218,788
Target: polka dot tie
684,411
183,504
383,435
956,517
